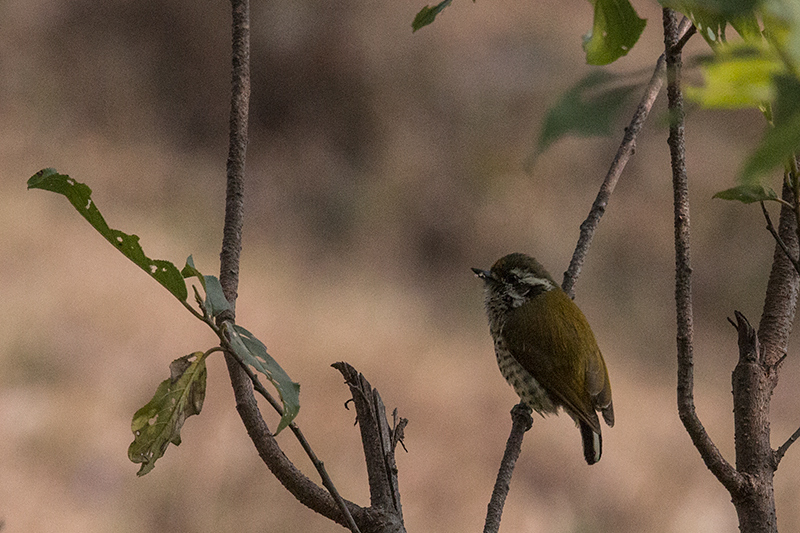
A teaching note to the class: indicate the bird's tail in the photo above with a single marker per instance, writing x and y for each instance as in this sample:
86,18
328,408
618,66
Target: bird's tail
592,443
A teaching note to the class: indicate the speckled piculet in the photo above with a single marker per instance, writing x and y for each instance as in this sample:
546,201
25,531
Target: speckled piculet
545,347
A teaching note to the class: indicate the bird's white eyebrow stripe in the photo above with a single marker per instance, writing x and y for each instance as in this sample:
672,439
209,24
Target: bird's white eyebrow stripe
530,279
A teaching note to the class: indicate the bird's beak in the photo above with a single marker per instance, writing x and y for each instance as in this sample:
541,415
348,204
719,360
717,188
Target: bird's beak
485,275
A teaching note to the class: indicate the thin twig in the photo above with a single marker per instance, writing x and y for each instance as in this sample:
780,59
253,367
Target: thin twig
780,452
683,268
626,149
794,179
521,422
318,464
778,239
678,47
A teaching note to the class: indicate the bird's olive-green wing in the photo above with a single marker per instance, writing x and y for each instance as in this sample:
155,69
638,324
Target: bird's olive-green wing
552,340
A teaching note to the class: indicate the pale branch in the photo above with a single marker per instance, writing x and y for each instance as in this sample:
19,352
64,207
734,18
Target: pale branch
626,149
379,443
683,269
778,239
521,422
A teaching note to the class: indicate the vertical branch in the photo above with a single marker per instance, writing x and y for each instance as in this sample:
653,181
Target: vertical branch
683,269
755,460
305,490
237,149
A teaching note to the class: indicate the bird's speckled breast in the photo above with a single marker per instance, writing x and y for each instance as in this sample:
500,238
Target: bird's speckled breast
524,384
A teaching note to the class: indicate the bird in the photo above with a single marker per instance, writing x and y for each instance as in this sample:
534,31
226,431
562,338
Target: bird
545,347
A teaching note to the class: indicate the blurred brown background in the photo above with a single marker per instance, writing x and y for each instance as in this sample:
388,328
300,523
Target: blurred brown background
382,165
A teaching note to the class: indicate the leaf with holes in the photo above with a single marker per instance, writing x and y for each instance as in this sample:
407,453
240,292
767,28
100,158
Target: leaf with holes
80,196
160,421
253,352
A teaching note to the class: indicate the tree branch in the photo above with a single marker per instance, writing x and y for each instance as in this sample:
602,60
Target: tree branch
379,444
624,152
780,302
713,459
305,490
778,240
780,452
521,422
678,46
237,149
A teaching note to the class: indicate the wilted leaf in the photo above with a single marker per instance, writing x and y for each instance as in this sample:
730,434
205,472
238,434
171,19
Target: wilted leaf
428,14
80,196
748,194
160,421
253,352
215,301
615,30
587,109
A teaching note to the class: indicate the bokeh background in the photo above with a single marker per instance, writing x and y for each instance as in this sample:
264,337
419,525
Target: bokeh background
381,166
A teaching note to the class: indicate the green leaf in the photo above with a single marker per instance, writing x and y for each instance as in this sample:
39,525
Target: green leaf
428,14
778,145
253,352
215,298
748,194
739,76
215,302
782,24
615,30
80,196
160,421
782,141
189,271
711,18
587,109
